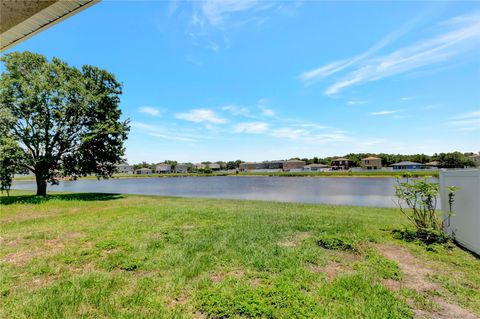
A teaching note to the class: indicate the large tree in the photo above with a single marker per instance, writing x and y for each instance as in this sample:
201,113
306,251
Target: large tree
58,120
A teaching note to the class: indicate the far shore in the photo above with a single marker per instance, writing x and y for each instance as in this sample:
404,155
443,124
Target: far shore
373,174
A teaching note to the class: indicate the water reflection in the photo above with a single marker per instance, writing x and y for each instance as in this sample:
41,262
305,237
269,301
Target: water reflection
343,191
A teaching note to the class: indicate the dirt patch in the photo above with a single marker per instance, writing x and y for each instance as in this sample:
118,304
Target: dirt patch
179,300
416,278
20,258
50,248
220,276
295,240
416,272
188,227
11,242
332,270
73,235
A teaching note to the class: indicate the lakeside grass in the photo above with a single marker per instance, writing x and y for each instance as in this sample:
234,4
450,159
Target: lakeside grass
107,255
386,174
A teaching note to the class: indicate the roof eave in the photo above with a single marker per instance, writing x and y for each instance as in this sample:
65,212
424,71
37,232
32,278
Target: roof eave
40,21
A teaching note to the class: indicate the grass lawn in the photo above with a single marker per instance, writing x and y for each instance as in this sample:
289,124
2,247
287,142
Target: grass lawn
104,256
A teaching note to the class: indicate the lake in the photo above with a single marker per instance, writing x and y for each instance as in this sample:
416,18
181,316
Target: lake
377,192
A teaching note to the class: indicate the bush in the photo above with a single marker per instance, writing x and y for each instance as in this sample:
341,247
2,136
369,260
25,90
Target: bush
335,243
417,200
426,236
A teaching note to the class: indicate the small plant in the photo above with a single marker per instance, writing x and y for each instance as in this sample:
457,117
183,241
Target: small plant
420,198
335,243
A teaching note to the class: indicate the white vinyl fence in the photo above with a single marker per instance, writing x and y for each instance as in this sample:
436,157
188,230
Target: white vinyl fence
464,225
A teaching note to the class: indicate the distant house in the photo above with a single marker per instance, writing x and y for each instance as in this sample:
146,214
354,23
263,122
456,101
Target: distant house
371,163
476,159
143,170
407,165
124,168
293,165
433,164
200,166
261,166
163,168
214,166
316,168
181,168
341,164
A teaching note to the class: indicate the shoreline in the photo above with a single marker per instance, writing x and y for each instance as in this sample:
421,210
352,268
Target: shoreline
273,174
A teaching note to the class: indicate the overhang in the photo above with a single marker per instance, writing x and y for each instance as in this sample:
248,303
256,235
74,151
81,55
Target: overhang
20,19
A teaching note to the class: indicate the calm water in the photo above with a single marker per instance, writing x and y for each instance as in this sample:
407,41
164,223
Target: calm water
342,191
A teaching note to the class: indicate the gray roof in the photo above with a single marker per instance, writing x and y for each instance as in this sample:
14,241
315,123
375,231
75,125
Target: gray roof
406,163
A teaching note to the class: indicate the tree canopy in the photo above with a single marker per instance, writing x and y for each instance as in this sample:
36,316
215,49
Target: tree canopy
57,120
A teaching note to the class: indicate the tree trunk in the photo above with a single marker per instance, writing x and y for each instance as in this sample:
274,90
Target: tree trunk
41,185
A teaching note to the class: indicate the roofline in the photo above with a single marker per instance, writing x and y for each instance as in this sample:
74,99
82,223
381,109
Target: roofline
46,25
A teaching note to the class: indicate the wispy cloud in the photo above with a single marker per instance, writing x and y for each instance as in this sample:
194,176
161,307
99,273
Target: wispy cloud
462,35
467,121
309,136
201,115
356,102
149,110
217,12
337,66
251,127
162,132
385,112
211,20
237,110
262,105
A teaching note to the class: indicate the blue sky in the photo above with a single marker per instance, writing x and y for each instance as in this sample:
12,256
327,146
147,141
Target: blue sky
256,80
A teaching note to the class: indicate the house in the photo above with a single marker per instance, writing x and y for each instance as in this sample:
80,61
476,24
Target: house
181,168
214,166
433,164
341,164
272,166
200,166
476,159
124,168
371,163
293,165
143,170
316,168
163,168
407,165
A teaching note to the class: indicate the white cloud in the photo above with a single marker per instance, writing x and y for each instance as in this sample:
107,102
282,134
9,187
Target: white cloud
337,66
309,136
386,112
149,110
162,132
262,105
201,115
268,112
216,12
356,102
251,127
236,110
288,133
467,121
463,36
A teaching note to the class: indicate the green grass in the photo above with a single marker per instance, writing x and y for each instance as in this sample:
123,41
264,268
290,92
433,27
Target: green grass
104,256
387,174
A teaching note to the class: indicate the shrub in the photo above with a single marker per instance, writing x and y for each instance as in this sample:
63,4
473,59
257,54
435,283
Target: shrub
336,243
417,200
